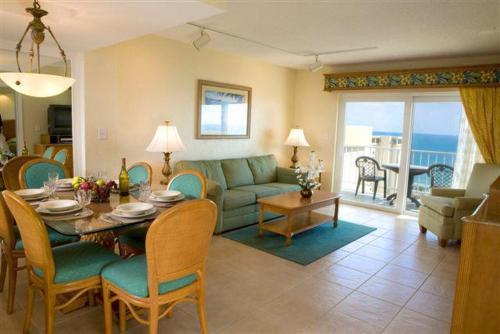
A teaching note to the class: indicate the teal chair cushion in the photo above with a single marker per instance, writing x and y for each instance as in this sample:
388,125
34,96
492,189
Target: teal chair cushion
79,261
234,199
55,238
283,187
60,156
259,190
38,173
48,152
263,168
237,172
188,184
137,174
131,276
134,238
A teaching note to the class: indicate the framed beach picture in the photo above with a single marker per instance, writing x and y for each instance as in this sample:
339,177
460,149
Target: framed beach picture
223,110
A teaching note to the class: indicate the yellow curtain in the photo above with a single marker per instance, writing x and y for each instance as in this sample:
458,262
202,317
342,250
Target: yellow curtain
482,107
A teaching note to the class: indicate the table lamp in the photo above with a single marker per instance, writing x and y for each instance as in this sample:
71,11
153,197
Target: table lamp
166,140
296,138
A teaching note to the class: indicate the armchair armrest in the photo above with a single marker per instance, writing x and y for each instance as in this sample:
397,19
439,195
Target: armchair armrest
466,203
215,193
286,175
447,192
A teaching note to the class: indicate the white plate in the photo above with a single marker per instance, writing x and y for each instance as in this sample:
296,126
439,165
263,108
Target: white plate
65,183
166,194
134,209
160,200
43,211
59,205
30,193
122,214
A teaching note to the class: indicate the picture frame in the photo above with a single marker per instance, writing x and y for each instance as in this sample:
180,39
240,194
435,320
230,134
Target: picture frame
224,110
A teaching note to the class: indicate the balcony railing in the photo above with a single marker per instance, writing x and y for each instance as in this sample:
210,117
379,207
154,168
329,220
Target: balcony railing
392,155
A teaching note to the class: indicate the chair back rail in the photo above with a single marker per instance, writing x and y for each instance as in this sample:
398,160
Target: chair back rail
140,171
177,242
191,183
33,233
34,172
441,175
10,171
367,166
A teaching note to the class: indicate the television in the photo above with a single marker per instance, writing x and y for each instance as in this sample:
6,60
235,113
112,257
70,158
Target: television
59,120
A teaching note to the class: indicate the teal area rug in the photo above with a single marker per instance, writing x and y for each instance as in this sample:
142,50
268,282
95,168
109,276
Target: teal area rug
306,247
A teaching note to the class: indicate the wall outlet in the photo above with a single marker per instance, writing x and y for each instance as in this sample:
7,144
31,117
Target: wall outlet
102,133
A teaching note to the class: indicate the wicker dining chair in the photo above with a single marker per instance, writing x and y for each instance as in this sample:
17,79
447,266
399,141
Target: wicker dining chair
368,171
12,249
73,268
10,171
61,156
171,271
189,182
140,172
34,172
49,152
441,175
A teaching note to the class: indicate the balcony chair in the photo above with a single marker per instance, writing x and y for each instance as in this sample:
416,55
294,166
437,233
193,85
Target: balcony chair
368,170
73,268
442,211
441,175
140,172
171,271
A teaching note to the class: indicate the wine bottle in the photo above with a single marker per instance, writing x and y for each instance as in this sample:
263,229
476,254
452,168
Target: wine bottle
123,179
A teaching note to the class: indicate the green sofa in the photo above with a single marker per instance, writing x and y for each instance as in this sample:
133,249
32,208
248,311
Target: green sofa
236,184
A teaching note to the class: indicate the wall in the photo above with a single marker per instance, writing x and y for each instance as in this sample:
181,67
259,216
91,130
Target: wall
316,110
7,103
132,87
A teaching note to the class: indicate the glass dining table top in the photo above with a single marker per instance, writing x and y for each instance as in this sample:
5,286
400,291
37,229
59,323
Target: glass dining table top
96,223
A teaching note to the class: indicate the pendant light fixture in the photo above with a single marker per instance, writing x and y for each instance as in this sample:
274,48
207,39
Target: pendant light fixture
32,83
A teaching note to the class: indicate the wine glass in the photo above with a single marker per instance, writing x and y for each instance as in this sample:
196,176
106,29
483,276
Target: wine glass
49,188
144,191
83,197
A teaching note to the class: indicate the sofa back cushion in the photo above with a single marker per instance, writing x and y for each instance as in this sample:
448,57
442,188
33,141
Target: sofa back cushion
263,168
211,169
481,178
237,172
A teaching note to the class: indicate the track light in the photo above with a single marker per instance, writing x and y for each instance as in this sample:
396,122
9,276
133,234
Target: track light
201,41
316,66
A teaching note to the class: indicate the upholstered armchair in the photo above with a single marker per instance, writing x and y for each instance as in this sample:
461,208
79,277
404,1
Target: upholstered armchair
442,211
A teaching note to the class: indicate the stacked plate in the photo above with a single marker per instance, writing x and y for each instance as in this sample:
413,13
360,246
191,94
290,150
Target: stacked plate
166,196
31,194
64,185
58,207
134,210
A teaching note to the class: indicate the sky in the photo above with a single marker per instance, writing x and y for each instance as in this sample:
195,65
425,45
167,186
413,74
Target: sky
441,118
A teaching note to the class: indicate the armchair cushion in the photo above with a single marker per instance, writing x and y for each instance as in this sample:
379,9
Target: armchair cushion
481,178
447,192
466,203
237,172
234,199
263,168
442,205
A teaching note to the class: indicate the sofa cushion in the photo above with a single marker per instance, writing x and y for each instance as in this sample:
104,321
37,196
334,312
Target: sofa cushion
260,190
441,205
283,187
234,199
237,172
263,168
211,169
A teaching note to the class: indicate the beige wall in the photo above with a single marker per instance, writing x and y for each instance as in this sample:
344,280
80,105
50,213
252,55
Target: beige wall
132,87
317,111
7,103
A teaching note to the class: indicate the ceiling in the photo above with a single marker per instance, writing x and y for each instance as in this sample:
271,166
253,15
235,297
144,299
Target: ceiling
399,29
90,24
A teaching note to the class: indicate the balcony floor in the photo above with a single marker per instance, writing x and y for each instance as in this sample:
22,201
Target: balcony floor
367,197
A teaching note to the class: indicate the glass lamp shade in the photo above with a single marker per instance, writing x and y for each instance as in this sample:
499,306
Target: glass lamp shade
296,138
36,84
166,139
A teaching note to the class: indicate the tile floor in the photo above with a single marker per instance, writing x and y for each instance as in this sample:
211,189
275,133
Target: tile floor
394,280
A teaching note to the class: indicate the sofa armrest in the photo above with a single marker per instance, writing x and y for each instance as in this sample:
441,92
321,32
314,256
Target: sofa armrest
286,175
447,192
215,193
466,203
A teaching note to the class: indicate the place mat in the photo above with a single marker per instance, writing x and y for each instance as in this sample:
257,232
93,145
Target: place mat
85,213
110,218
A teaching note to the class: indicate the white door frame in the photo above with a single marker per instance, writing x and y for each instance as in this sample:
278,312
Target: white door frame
18,101
78,113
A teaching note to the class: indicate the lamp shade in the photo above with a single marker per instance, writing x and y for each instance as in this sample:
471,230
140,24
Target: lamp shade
36,84
296,138
166,139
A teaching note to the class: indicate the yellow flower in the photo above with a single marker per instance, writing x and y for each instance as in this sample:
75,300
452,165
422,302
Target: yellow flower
362,81
457,77
487,76
430,78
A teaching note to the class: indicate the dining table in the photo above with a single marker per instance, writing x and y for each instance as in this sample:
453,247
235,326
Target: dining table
414,170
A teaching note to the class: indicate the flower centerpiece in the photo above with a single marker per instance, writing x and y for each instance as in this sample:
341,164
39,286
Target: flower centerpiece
308,177
100,189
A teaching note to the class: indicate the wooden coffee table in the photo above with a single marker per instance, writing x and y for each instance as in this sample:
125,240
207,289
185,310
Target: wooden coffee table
298,211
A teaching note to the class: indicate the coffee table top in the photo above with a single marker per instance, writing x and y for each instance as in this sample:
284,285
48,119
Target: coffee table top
293,200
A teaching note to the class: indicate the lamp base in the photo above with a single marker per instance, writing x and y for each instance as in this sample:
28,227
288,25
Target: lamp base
166,170
295,158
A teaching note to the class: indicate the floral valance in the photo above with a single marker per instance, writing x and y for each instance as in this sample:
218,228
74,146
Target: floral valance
468,76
